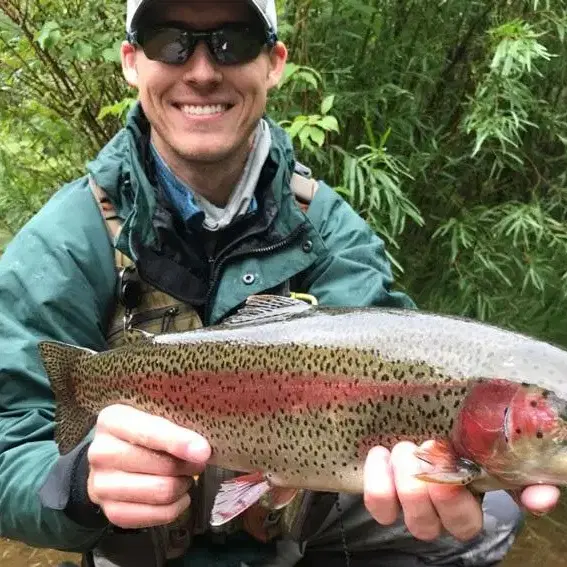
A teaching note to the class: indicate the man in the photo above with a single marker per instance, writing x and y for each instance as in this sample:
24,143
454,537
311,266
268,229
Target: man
197,194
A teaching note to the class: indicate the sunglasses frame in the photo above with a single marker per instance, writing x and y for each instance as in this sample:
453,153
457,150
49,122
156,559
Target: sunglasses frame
135,37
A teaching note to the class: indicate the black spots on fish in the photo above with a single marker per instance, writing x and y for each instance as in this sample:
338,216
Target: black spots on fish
426,397
539,434
533,403
545,394
385,377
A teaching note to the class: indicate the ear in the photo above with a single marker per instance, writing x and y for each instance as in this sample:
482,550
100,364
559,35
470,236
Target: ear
128,57
278,58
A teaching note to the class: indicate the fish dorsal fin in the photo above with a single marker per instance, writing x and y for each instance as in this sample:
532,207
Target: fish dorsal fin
266,308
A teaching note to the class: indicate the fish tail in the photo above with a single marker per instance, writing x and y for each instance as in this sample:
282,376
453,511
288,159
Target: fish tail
72,422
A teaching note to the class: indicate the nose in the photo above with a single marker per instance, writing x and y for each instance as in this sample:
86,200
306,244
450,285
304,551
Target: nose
200,68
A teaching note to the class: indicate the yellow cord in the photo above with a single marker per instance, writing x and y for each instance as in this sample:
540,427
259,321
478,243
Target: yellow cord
305,297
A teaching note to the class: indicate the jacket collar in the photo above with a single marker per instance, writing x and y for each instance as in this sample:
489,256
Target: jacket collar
123,169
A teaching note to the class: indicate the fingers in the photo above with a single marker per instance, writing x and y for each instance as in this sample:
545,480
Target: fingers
540,499
110,453
380,495
131,516
458,509
428,508
141,467
420,515
120,486
153,432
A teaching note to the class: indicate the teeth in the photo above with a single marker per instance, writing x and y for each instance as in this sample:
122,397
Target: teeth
203,110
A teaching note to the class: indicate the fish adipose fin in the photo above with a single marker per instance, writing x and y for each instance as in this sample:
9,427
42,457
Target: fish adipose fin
445,467
265,309
72,423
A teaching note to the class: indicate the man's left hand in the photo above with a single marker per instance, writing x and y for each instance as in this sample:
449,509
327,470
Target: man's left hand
428,508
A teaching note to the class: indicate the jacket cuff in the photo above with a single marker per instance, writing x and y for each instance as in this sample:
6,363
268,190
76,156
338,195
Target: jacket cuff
65,488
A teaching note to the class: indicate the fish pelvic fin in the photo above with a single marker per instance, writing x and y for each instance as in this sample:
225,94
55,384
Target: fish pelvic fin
72,422
237,495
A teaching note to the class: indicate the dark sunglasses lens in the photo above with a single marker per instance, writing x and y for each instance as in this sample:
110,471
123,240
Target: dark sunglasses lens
168,45
236,45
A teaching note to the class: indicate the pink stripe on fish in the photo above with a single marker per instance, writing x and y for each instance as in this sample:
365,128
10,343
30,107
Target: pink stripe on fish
257,392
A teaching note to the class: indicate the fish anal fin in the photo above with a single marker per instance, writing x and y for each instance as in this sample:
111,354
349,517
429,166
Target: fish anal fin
237,495
444,466
266,308
72,422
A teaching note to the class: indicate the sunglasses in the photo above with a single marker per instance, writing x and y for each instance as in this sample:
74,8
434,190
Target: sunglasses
229,45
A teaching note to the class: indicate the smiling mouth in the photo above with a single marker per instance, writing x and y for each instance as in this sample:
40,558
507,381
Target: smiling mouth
203,110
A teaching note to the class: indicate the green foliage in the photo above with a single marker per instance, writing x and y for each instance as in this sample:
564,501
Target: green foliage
443,123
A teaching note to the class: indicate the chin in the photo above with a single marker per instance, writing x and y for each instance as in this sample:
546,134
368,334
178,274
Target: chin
204,155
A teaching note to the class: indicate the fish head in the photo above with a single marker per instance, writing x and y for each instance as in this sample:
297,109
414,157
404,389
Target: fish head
535,433
516,433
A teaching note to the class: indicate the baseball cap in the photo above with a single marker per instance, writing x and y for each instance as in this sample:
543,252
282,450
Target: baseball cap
266,9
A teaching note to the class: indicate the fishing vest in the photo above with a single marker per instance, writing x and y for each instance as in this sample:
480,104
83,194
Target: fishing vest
141,308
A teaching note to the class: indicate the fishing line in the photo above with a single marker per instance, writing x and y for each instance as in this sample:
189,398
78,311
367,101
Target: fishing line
343,531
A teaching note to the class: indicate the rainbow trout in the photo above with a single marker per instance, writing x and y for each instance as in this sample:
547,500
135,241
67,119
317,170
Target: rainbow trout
295,396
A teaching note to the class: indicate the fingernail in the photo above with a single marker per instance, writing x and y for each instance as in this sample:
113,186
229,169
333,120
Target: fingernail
200,448
540,513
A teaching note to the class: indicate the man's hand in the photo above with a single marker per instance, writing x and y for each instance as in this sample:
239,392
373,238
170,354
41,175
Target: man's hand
429,508
141,467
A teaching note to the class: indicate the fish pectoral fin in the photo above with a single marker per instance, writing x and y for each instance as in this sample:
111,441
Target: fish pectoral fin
439,453
444,466
461,477
237,495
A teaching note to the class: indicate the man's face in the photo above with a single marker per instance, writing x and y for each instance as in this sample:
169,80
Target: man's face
202,111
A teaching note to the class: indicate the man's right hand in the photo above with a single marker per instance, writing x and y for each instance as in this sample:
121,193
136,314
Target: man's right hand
141,467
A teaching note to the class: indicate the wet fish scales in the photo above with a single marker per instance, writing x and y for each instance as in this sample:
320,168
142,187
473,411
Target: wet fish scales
313,414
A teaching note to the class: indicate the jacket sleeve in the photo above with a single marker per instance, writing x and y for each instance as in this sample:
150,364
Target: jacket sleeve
354,271
56,282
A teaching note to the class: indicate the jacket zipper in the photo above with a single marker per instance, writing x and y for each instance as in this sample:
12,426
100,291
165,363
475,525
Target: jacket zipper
216,269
